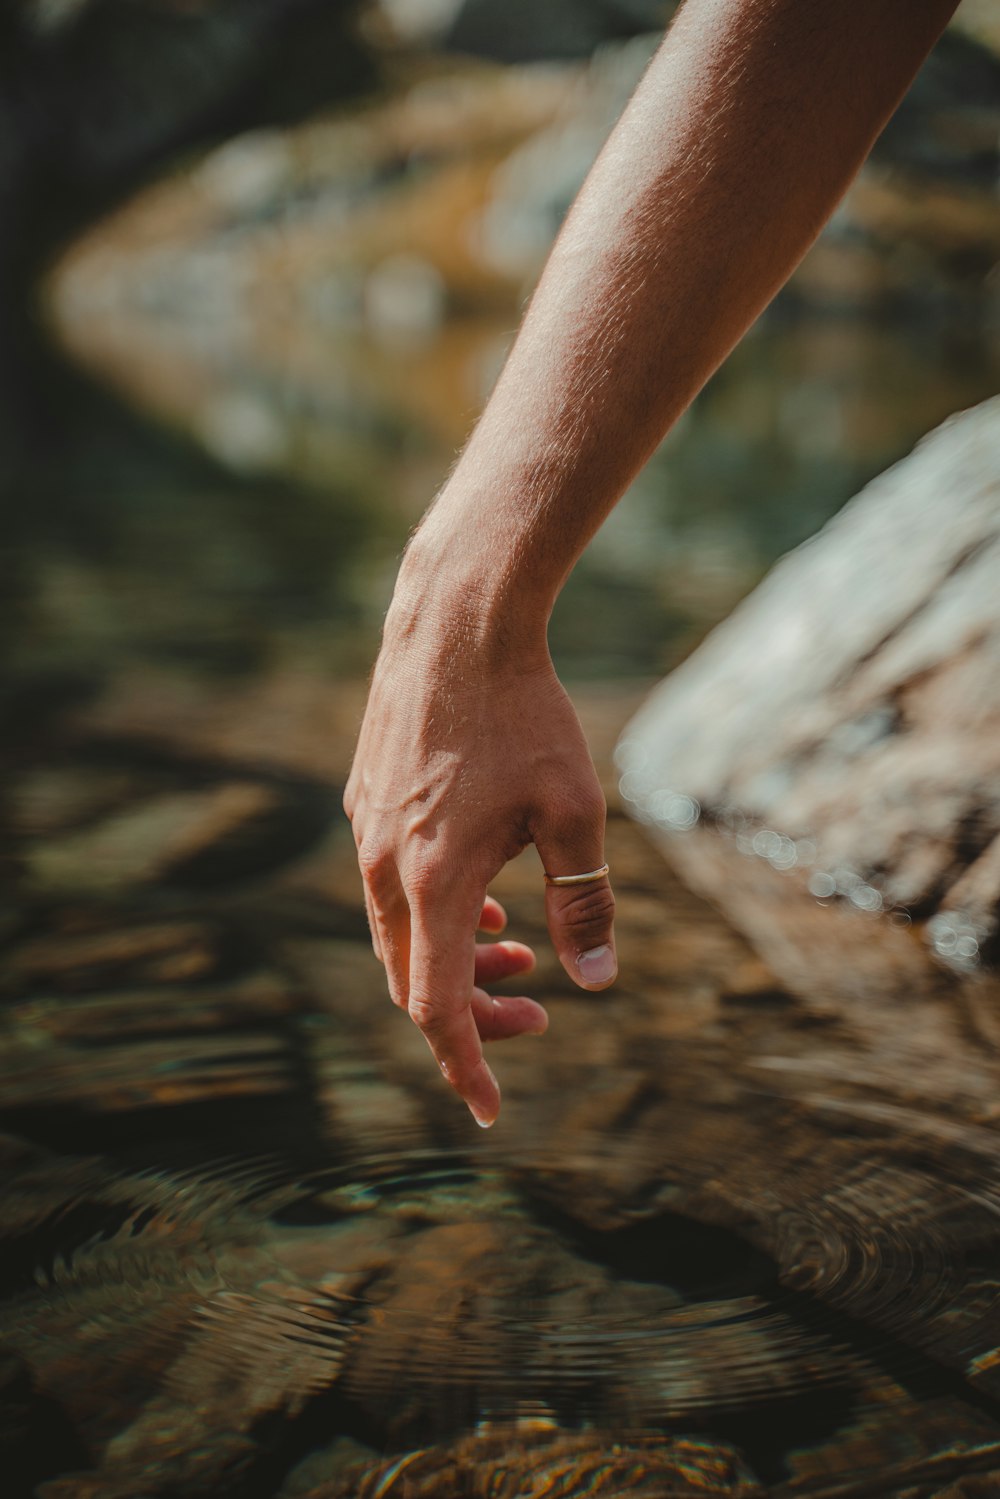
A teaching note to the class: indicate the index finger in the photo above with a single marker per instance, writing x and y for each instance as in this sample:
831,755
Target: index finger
442,971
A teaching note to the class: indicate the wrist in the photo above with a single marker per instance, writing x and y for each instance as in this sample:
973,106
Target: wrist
455,592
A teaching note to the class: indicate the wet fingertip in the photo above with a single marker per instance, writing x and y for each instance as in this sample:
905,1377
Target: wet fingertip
484,1119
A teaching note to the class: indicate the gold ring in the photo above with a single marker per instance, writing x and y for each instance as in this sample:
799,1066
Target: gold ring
576,879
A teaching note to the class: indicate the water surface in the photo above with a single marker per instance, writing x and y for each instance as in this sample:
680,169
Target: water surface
725,1240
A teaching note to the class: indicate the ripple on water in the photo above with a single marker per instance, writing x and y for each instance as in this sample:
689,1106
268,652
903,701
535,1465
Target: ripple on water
442,1266
443,1291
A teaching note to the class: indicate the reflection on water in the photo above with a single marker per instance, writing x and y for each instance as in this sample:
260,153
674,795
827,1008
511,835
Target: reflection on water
735,1234
725,1239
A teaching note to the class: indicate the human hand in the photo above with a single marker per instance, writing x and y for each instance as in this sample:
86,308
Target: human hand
465,757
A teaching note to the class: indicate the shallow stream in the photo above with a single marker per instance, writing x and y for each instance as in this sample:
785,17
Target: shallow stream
725,1239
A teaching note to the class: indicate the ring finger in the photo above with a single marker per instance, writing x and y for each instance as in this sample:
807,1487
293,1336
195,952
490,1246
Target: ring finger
389,912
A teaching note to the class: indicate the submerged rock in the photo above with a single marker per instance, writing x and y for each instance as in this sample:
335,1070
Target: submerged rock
717,1234
519,1463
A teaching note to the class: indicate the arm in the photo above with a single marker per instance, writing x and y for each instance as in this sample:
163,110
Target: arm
749,124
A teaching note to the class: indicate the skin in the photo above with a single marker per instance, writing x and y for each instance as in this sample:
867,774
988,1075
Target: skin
750,123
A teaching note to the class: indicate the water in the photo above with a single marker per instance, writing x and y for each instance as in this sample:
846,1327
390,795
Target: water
722,1237
725,1240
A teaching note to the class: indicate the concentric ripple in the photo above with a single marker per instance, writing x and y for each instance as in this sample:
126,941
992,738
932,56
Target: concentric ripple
442,1268
757,1261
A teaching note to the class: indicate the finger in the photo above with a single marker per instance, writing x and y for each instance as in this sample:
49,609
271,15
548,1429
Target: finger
393,928
501,960
494,917
499,1017
372,928
580,917
353,806
389,914
442,967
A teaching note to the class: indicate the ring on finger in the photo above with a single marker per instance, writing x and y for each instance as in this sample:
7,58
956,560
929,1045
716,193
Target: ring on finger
576,879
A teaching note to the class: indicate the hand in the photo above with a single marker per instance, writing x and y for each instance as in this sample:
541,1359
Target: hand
463,759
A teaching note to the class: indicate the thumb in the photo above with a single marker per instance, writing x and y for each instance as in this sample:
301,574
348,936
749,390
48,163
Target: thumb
580,916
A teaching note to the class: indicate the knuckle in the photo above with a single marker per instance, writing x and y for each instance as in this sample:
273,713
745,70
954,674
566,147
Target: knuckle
587,909
426,1014
430,882
423,885
375,862
577,817
399,989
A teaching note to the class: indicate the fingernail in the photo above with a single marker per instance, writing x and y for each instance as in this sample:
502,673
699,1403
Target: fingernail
480,1119
598,965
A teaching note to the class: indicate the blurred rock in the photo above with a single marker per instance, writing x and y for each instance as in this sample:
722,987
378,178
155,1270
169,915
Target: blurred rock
97,96
36,1438
271,298
844,724
262,295
720,1231
945,126
520,1462
237,830
104,1072
83,951
980,19
926,1445
95,92
203,1315
471,1301
980,1486
518,31
316,313
143,843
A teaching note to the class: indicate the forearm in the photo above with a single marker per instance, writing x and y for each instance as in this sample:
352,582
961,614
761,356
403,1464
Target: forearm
748,126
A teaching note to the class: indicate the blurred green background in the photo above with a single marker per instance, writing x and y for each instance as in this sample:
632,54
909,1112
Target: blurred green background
262,261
